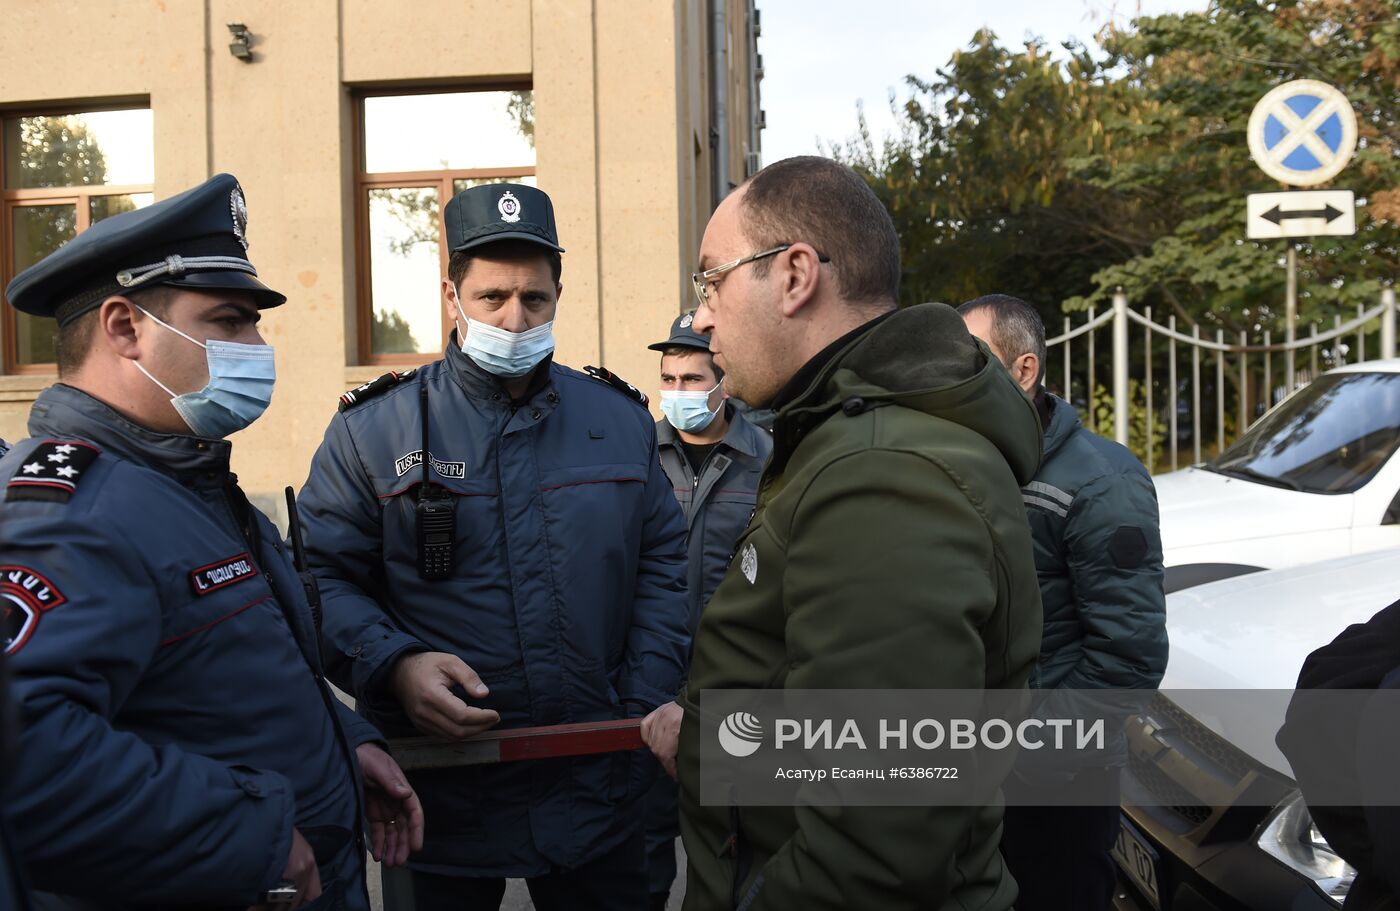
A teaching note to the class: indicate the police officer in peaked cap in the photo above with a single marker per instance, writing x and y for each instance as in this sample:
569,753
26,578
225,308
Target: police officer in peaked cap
497,546
179,745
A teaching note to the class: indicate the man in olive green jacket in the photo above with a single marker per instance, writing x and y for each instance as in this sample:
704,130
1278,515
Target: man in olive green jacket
889,549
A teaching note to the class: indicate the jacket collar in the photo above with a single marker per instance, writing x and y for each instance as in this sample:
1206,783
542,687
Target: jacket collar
62,411
1064,423
805,400
1044,407
742,435
804,380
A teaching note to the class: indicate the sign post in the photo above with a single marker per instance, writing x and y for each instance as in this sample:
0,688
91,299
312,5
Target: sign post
1301,133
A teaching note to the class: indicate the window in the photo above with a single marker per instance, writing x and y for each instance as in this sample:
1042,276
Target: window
1332,437
416,152
63,171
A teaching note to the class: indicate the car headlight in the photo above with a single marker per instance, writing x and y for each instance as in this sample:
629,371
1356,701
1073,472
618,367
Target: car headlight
1291,837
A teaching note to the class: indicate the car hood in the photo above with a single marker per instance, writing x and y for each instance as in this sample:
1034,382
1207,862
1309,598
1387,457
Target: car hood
1254,632
1203,507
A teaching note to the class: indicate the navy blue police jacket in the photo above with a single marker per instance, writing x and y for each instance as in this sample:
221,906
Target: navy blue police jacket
14,894
567,593
174,724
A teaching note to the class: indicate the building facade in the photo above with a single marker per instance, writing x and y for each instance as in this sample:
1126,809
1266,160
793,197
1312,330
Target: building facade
350,123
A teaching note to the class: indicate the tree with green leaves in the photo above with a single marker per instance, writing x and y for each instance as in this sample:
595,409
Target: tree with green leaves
51,151
56,151
1060,180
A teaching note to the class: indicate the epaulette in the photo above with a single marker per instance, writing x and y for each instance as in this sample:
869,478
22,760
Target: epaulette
612,379
367,391
52,471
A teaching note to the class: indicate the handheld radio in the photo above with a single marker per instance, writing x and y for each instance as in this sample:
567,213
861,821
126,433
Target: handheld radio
434,519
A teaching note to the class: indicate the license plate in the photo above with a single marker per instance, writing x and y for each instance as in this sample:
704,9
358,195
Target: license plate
1138,861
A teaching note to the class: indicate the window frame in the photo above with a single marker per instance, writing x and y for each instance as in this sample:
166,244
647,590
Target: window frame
78,196
441,180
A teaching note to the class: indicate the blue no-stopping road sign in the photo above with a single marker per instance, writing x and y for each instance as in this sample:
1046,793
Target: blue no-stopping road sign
1302,132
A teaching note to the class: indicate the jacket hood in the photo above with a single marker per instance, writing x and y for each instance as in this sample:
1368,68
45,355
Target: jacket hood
923,357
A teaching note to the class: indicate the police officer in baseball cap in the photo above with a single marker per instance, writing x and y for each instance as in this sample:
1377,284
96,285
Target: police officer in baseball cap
683,335
498,546
142,589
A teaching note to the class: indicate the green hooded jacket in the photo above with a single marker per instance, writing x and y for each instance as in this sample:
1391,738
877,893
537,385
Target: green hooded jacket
889,550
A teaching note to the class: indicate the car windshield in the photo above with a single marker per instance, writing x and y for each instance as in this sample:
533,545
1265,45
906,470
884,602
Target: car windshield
1331,437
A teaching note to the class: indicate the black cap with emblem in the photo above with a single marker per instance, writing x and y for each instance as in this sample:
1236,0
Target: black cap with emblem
197,239
500,211
683,335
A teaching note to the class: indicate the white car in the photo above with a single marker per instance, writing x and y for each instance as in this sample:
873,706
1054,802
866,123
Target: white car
1316,477
1212,817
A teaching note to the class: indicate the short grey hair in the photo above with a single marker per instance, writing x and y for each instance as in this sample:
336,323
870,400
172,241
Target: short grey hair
1017,328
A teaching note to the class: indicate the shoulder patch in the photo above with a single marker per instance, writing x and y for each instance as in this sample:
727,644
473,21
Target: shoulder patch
612,379
376,386
52,471
1128,547
24,597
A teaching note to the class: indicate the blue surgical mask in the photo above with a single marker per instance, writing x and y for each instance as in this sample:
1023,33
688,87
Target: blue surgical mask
689,411
239,390
504,353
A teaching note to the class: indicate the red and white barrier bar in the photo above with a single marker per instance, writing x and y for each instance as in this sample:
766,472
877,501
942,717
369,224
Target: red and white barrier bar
517,744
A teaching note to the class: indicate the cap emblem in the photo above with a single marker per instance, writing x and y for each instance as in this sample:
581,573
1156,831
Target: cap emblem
238,207
687,320
509,207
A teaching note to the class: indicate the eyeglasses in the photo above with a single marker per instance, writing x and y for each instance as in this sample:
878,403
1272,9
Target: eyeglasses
702,281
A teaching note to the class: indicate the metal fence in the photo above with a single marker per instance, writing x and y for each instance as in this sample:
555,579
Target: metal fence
1191,380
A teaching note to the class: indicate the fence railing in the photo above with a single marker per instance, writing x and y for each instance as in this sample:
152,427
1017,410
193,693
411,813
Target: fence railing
1244,385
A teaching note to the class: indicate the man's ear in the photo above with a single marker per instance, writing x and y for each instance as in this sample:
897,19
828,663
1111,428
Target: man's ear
1026,371
801,276
117,319
449,299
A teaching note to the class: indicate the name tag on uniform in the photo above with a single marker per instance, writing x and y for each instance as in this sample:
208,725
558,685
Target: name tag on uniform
222,574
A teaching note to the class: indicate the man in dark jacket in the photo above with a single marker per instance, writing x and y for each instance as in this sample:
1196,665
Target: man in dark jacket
1098,554
178,744
889,549
712,455
497,514
714,458
1347,743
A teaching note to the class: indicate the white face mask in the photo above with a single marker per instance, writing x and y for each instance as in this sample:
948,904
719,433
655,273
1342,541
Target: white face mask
690,411
504,353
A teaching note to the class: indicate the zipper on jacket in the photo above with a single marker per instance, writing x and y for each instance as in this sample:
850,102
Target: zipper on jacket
737,849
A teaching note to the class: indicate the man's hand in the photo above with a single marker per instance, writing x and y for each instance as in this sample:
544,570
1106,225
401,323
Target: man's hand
423,682
301,870
661,730
394,813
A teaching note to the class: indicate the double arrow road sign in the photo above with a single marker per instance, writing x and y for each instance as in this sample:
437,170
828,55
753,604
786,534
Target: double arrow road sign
1301,213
